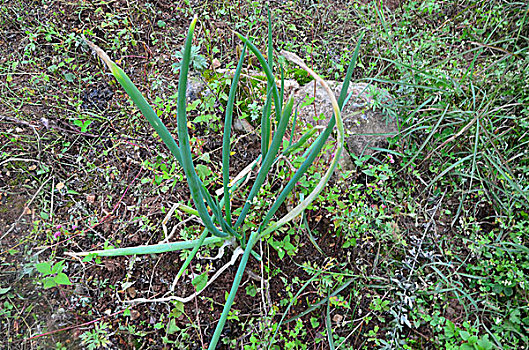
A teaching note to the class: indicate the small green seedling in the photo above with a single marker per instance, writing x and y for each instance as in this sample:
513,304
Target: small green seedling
53,275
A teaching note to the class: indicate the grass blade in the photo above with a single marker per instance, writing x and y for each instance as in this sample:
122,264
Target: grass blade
315,150
190,257
268,72
328,325
321,302
447,170
282,91
292,131
233,291
151,249
416,86
183,137
349,74
226,142
270,45
140,102
268,160
426,142
304,138
265,125
305,285
340,145
312,239
508,176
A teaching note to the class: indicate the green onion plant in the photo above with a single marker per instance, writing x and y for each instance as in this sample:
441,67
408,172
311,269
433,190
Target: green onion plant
222,224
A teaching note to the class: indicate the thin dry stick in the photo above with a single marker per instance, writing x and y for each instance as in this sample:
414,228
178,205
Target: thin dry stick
72,327
167,236
19,160
197,309
167,218
52,198
97,223
238,252
243,173
175,227
262,279
220,253
18,121
426,229
45,123
153,271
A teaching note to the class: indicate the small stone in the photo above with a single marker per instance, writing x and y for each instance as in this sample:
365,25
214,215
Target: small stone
337,318
131,291
242,125
195,86
215,63
134,314
365,126
90,198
